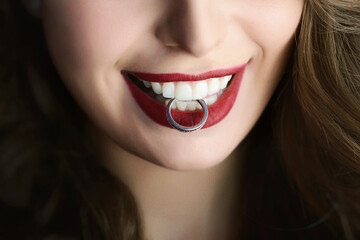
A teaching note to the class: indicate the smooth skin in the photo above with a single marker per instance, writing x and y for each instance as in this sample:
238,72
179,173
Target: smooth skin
91,41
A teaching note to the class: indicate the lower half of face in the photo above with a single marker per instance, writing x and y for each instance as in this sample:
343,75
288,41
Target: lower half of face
124,60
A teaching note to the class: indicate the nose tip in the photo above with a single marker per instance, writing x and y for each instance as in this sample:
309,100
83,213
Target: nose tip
193,27
201,42
196,44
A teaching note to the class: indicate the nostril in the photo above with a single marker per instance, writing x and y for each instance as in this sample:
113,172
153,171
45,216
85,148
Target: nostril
165,37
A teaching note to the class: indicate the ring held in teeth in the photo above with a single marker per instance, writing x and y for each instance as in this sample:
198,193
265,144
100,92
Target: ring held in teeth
182,128
187,93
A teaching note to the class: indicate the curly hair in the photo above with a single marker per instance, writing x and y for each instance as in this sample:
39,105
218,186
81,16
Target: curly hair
303,154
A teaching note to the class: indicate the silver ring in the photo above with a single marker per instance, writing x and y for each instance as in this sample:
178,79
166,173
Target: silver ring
183,128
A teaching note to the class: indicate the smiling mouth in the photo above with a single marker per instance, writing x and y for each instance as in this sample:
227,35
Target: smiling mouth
185,92
152,91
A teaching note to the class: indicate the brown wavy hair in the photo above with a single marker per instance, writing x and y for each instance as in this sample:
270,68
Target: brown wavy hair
302,174
318,127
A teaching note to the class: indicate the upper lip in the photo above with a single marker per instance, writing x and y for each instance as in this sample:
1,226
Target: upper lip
175,77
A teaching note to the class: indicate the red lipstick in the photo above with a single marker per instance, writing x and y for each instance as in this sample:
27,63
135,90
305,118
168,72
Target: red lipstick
176,77
157,110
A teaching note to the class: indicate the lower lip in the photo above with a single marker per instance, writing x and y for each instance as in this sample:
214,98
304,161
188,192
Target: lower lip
217,111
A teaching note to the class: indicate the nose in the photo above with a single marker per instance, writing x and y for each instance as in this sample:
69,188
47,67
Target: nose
196,26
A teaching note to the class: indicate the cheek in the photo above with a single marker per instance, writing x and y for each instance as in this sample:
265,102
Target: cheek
272,24
86,39
91,36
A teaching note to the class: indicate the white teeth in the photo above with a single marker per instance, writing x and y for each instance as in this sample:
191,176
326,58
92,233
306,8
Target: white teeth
173,106
146,83
214,86
156,87
168,90
224,81
200,90
211,100
183,91
181,105
191,106
209,90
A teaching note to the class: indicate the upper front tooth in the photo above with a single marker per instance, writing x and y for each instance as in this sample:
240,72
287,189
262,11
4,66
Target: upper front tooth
224,81
156,87
183,91
200,90
214,86
169,90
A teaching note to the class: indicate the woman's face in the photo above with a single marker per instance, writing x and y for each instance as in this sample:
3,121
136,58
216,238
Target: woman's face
95,43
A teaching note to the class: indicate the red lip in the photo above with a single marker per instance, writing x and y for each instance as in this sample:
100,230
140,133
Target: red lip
175,77
157,111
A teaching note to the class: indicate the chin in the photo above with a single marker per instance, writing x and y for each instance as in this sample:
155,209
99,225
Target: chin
180,159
